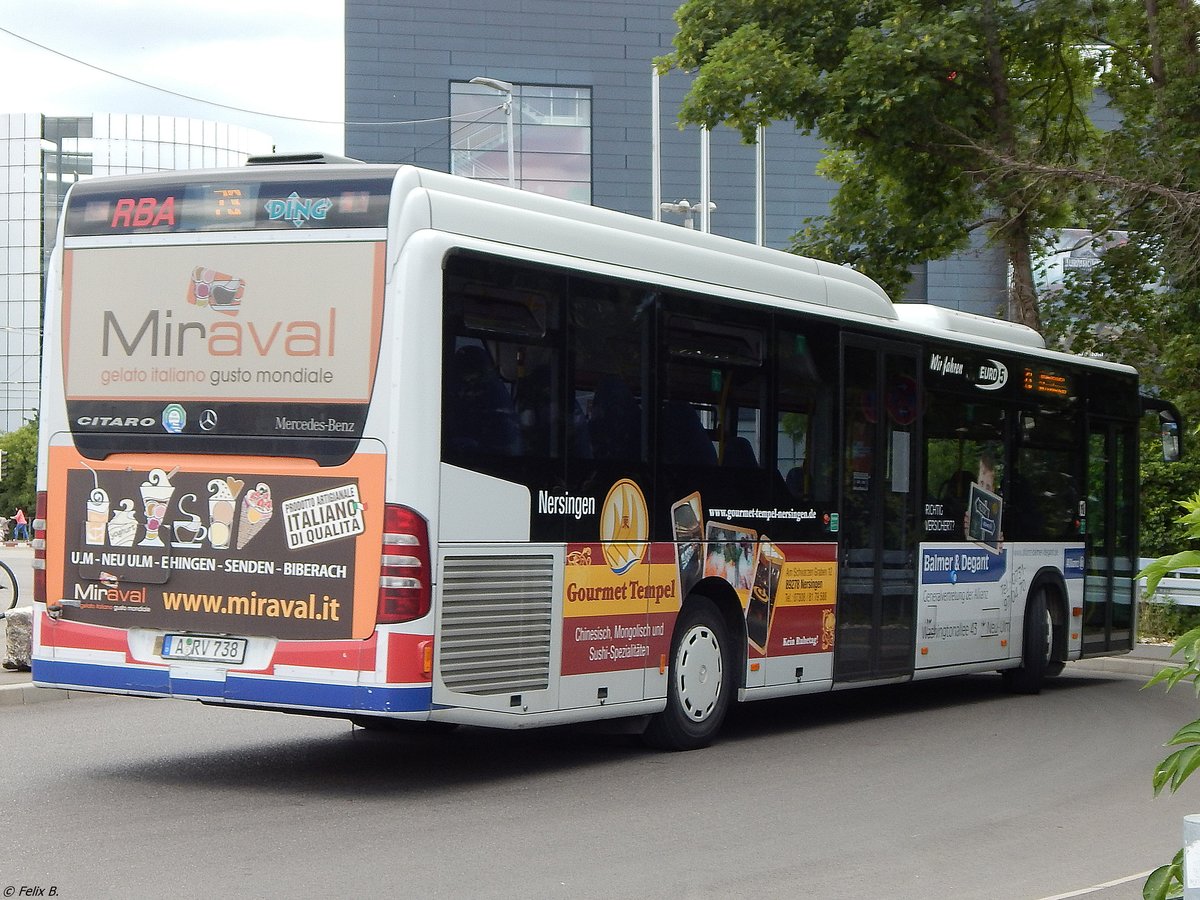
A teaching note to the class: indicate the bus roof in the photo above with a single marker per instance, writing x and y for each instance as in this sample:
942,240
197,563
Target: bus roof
409,199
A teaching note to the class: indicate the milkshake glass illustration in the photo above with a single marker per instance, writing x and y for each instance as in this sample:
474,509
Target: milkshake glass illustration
221,507
97,516
97,512
156,497
122,529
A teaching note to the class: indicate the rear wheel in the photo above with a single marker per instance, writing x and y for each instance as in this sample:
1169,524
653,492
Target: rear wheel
699,682
1037,648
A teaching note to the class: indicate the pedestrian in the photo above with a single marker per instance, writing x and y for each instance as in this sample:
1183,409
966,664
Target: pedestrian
20,526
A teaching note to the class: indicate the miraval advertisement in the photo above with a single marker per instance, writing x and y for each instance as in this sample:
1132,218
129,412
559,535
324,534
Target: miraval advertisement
223,321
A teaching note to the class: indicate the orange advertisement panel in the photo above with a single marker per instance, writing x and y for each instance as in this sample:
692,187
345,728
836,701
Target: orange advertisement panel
237,545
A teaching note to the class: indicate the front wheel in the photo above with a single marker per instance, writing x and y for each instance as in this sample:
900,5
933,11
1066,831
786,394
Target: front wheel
699,681
1037,649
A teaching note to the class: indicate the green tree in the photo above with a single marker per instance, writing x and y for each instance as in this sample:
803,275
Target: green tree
18,486
916,101
1179,764
1141,304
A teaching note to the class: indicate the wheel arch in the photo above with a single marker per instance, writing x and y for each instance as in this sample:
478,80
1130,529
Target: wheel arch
721,594
1051,580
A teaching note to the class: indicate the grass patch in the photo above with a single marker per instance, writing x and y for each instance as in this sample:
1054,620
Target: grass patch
1162,622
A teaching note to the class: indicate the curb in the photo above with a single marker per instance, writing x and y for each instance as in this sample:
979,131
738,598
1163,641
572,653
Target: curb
1123,665
25,694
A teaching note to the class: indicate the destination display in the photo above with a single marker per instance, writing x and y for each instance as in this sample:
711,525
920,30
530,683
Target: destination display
153,206
986,373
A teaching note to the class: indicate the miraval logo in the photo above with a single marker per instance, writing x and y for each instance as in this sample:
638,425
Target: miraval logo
98,594
297,209
992,375
117,421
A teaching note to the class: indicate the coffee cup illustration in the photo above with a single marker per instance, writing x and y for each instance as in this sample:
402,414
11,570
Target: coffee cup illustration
189,532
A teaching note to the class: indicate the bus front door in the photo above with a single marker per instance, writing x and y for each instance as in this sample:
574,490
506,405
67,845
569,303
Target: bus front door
876,619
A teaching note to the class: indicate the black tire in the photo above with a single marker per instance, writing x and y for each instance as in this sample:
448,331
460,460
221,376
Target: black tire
1036,650
698,697
9,591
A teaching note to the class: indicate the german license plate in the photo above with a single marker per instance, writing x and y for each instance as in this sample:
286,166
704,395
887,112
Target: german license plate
200,648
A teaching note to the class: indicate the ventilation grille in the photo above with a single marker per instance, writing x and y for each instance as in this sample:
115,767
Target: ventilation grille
495,635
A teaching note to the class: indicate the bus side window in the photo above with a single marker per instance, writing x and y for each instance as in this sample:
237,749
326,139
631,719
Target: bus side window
614,420
608,351
804,415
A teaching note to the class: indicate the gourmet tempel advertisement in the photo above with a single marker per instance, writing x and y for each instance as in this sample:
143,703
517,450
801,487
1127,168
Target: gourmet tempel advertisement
623,593
247,549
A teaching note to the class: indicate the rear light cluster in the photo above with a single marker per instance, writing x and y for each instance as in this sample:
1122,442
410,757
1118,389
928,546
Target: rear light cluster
39,549
405,574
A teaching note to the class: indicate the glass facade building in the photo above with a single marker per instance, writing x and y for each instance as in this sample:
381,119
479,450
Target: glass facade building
40,158
583,121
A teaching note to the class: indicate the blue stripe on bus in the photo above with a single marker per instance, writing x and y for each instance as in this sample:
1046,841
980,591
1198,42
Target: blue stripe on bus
235,689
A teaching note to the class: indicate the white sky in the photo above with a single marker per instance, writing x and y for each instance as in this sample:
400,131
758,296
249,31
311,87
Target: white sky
282,57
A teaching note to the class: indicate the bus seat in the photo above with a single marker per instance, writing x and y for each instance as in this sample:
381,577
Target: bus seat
739,453
684,437
615,426
795,482
480,414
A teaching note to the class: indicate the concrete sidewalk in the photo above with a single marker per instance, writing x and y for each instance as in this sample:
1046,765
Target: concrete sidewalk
16,688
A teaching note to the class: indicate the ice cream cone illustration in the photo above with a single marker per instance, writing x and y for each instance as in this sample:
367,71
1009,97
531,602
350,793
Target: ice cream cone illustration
256,512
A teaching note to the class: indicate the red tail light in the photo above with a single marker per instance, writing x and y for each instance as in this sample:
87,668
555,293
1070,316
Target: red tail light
405,574
39,549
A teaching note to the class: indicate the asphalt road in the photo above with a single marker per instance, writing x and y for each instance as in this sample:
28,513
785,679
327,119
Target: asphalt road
934,790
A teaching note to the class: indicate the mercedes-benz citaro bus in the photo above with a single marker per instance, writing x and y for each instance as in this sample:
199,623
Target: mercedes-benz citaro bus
391,445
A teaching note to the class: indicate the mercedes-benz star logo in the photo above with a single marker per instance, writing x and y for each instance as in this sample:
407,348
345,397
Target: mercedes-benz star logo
208,419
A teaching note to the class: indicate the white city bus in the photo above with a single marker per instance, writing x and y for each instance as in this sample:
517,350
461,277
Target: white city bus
385,444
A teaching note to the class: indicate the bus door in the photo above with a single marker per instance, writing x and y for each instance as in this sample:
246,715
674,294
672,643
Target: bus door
879,511
1110,582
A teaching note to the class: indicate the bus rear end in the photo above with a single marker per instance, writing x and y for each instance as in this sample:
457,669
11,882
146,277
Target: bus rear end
212,517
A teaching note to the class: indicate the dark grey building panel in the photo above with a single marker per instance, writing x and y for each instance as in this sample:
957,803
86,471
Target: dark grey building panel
401,58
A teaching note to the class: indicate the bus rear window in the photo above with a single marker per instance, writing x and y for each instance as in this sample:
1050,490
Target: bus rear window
273,340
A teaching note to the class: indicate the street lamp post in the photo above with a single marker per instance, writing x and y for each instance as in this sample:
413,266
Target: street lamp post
506,89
